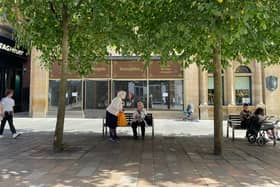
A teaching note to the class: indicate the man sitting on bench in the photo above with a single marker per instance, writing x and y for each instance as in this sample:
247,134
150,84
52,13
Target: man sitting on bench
245,115
139,120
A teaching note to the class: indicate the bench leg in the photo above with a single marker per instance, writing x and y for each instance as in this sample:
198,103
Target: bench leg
103,130
153,132
233,135
227,129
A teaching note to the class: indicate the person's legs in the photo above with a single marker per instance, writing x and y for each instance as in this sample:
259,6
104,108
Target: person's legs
134,129
142,129
3,123
11,123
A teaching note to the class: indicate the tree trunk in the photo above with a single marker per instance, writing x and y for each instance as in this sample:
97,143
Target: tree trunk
218,113
58,135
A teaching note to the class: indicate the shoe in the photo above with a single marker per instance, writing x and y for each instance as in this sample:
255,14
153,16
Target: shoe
1,136
114,140
117,138
16,135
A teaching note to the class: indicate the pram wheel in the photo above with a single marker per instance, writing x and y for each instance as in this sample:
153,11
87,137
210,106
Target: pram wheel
261,141
251,138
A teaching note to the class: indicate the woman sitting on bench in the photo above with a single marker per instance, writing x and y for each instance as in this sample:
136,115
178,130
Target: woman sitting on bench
139,120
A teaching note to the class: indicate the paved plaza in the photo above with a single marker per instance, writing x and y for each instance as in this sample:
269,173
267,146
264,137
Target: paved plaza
179,155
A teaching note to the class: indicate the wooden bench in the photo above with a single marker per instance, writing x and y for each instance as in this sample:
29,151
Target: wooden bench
235,123
129,118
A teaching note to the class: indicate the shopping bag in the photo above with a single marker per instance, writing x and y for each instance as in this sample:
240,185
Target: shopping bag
122,119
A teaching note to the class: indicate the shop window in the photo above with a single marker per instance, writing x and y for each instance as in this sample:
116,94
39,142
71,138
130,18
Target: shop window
211,89
243,87
96,94
243,90
73,94
166,95
136,91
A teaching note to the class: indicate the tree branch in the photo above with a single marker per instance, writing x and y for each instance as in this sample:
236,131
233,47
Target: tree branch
53,10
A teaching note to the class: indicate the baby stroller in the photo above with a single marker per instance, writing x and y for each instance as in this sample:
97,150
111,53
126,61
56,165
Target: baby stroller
189,112
256,131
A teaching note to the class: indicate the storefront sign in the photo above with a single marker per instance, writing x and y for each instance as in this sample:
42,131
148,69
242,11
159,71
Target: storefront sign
170,71
99,71
10,49
129,69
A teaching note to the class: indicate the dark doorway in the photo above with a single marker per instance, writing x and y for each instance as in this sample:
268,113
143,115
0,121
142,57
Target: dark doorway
14,74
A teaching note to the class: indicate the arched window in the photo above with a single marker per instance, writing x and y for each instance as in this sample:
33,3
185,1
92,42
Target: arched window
243,69
243,85
211,87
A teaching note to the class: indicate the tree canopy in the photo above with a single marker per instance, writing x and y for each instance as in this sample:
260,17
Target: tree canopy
178,30
39,24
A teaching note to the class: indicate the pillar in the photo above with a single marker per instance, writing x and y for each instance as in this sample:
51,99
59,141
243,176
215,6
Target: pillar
203,93
230,99
191,89
38,87
258,85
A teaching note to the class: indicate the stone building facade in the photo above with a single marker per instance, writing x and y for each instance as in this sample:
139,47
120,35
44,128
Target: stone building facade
165,91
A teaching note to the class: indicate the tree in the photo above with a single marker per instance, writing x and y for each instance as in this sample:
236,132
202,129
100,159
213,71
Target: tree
72,33
210,33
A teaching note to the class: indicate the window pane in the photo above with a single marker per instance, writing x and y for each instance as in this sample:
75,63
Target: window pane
73,95
243,90
211,91
166,94
243,69
96,94
136,91
53,94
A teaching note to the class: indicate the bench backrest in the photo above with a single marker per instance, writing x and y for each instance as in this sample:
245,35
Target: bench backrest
235,117
149,118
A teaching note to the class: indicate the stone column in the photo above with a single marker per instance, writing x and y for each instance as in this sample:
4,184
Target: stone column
39,84
258,85
191,90
230,99
203,93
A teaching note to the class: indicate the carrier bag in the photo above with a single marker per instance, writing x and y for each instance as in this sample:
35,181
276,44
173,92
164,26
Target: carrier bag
122,119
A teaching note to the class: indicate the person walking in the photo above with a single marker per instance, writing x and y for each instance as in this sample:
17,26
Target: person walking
7,111
112,111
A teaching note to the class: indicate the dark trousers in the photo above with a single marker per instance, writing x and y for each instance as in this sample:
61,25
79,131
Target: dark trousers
8,116
134,126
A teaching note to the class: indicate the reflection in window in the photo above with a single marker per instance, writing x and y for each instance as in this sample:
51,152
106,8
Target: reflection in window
211,90
243,90
53,94
136,91
243,69
96,94
73,94
166,94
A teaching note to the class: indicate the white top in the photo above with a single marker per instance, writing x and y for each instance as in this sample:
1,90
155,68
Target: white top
7,104
116,106
139,115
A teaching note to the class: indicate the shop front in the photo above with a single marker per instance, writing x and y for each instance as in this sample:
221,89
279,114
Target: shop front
160,88
14,70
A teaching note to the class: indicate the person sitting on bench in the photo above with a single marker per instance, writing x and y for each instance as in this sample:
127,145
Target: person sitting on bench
245,115
139,120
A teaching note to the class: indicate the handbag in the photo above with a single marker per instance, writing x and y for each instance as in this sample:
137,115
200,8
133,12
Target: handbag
122,119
